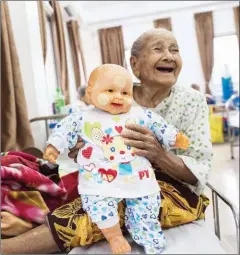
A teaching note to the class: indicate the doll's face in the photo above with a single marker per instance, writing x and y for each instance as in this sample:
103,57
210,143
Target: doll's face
112,90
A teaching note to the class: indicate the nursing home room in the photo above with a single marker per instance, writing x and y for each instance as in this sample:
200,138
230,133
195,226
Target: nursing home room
101,97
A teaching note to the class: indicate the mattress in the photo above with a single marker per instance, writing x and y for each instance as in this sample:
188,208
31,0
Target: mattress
193,238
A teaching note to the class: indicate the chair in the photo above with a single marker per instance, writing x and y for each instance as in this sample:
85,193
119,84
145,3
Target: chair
232,114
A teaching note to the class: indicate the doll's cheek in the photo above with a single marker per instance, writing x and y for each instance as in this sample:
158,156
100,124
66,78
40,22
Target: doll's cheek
129,101
103,99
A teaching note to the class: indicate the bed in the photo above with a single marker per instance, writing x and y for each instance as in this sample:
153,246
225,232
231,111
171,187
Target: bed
184,239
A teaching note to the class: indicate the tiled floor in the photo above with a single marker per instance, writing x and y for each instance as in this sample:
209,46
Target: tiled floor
225,178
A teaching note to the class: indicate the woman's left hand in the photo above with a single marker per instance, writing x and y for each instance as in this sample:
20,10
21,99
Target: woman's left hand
145,143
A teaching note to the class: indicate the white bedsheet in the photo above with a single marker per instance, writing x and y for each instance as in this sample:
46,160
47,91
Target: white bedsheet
194,238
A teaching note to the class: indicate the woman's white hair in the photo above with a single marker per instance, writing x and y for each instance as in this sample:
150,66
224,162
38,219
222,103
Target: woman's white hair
142,39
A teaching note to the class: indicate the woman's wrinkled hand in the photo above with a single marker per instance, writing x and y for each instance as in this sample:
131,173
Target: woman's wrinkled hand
74,151
144,142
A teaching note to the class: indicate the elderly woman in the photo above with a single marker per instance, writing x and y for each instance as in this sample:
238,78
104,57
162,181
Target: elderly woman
156,61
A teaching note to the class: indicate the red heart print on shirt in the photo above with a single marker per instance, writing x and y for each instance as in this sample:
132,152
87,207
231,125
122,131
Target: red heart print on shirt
119,129
108,175
87,152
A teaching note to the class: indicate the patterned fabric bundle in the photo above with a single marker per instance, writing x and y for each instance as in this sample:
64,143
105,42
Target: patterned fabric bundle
30,188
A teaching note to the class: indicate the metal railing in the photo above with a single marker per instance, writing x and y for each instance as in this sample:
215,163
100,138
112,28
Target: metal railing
215,195
46,119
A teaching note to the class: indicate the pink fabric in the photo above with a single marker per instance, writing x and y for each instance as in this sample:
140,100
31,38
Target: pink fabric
27,193
13,159
23,155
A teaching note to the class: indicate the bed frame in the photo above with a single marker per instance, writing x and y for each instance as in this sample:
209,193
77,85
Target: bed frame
216,195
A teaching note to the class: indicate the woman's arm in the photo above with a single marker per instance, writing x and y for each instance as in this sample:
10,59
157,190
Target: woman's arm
148,146
175,167
191,166
38,240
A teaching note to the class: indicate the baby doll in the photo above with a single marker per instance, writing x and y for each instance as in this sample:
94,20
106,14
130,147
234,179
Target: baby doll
109,170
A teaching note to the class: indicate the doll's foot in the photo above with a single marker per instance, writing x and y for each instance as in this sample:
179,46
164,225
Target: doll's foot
119,245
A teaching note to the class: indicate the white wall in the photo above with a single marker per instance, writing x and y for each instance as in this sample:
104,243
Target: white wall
224,22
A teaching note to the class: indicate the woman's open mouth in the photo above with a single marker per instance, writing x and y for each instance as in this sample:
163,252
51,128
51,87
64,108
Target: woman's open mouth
165,69
116,105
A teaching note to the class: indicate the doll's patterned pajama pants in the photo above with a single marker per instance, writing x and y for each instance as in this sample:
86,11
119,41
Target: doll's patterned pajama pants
141,218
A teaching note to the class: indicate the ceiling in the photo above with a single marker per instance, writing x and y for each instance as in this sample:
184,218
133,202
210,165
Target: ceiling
95,12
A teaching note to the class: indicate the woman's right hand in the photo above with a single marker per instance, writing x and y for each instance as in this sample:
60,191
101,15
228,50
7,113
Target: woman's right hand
74,151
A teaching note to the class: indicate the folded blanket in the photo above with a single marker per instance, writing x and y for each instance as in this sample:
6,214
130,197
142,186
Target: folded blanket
11,225
29,188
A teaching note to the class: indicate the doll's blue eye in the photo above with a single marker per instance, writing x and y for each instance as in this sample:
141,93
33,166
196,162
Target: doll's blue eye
129,147
112,149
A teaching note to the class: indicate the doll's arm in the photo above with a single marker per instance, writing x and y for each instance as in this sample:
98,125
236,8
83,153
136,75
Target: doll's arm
65,135
168,135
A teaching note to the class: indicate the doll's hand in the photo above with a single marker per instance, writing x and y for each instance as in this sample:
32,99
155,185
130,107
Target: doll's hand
182,141
51,154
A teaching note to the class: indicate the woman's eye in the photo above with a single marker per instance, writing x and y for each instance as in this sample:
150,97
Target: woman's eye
124,93
110,90
157,49
175,50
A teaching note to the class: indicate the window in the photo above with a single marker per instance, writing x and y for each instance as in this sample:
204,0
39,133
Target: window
128,66
226,52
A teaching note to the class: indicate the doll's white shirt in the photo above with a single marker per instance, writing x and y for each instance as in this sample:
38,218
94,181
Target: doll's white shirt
108,167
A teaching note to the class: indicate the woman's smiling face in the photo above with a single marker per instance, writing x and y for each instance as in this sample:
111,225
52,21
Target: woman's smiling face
159,62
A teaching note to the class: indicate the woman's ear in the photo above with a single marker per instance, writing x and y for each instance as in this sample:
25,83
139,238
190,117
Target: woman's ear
134,66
